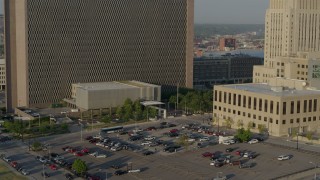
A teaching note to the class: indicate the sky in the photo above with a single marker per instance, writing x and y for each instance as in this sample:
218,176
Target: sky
225,11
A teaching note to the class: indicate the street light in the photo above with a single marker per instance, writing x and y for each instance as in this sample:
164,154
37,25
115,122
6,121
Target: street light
39,120
315,167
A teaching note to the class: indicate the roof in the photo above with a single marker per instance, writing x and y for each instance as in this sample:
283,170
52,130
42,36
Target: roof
113,85
261,88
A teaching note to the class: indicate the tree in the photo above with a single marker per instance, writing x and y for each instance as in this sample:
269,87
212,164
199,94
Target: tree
120,112
262,128
36,146
229,122
250,125
240,123
309,135
79,166
183,141
138,113
128,109
243,135
106,119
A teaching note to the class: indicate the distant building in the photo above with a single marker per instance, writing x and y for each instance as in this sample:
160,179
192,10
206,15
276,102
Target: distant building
223,69
2,74
88,96
227,44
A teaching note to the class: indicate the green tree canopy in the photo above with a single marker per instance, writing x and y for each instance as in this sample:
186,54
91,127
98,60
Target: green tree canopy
79,166
243,135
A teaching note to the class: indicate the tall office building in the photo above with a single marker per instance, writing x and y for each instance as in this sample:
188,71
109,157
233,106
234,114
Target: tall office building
51,44
284,100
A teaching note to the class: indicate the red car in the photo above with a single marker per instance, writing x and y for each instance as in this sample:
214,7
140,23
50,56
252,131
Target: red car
53,167
78,153
85,150
152,128
174,130
209,132
207,154
93,141
239,152
72,150
14,164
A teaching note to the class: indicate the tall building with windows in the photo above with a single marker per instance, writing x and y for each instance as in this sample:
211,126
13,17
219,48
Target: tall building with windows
284,98
51,44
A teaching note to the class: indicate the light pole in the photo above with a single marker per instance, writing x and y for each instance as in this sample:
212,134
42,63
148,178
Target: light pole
39,120
297,140
44,176
81,130
315,167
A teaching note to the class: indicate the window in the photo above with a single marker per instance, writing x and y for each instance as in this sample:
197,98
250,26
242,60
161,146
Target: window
309,119
224,97
239,113
239,100
254,116
291,121
314,118
215,107
229,98
234,99
234,111
254,103
249,115
298,120
305,106
271,107
310,105
278,108
224,109
244,101
249,102
260,104
243,114
277,121
259,117
284,108
292,107
220,96
298,107
283,121
265,119
315,105
219,108
304,119
229,110
265,105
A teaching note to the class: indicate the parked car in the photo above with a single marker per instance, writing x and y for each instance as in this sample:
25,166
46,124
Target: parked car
116,148
120,172
205,138
253,141
53,167
246,165
207,154
101,156
229,149
149,138
89,138
115,166
147,153
145,143
78,153
94,153
66,148
134,171
14,164
8,160
45,174
283,157
25,172
234,163
68,176
85,150
72,150
151,128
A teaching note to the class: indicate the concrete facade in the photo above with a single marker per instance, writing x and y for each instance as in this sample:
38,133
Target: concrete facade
90,96
51,44
284,98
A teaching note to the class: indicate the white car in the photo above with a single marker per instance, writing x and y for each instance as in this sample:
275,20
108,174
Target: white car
149,138
145,143
204,138
246,154
101,156
226,142
43,160
191,140
6,159
100,144
283,157
94,153
58,158
116,148
253,141
134,171
25,172
98,136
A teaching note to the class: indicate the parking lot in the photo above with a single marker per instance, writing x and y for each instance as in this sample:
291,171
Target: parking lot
185,162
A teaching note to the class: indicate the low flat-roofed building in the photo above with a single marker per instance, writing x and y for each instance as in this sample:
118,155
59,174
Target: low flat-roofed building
87,96
280,110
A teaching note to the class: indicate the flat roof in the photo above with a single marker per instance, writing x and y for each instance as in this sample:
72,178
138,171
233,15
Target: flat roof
266,89
113,85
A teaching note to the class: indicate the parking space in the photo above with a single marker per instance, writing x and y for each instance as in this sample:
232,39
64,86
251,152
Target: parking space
180,160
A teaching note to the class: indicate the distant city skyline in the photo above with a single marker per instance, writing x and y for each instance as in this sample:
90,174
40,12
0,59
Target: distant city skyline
224,11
